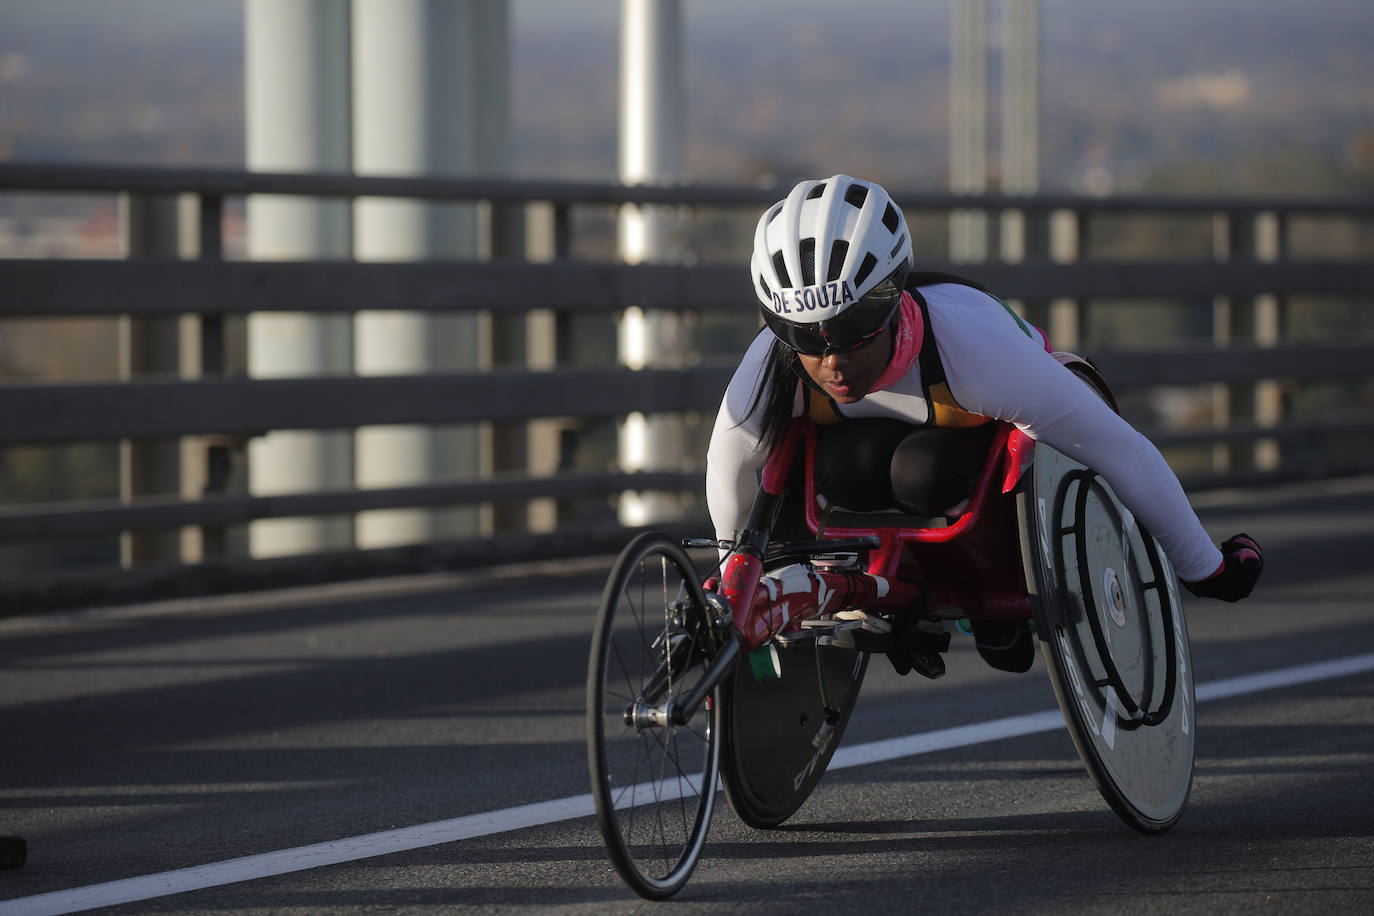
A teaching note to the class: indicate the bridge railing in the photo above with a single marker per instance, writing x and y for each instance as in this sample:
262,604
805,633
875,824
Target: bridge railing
1246,359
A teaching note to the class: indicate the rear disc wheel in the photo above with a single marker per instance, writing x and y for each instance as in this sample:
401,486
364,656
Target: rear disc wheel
1115,641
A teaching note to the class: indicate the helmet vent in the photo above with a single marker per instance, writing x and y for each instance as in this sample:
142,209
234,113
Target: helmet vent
764,284
808,262
856,195
837,253
780,266
815,192
865,268
890,219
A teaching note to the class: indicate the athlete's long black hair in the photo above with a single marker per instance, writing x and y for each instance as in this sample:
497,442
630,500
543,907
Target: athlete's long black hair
777,392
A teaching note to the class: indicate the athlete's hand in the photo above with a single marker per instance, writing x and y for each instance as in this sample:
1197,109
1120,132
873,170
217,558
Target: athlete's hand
1242,561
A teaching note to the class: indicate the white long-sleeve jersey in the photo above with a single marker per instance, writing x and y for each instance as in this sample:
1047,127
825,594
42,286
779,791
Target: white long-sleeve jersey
994,369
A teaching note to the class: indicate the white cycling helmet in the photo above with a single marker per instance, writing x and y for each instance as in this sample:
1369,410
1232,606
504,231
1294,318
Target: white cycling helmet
857,237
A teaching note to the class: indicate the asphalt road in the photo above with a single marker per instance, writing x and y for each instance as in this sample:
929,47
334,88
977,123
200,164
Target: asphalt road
185,736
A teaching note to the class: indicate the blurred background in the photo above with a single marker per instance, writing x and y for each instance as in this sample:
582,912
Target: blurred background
1183,95
1179,97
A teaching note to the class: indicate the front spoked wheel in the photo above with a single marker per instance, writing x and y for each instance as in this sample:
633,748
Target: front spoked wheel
653,779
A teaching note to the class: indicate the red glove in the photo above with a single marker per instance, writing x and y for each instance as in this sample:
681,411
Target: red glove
1242,561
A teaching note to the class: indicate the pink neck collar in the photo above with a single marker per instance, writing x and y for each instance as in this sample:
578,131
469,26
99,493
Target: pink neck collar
910,334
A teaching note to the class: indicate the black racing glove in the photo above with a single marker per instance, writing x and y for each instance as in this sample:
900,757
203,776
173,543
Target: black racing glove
1242,561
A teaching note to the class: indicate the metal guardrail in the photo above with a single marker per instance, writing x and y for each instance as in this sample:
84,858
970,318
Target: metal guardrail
151,408
153,288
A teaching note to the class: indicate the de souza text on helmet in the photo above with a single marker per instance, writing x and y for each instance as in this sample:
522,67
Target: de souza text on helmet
811,298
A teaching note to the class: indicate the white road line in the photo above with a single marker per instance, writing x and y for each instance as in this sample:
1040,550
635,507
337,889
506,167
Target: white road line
352,849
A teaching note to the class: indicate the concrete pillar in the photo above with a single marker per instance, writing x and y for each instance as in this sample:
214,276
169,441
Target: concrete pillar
503,226
548,237
415,113
968,131
502,235
188,346
1068,243
1020,114
651,151
150,346
1023,235
1248,321
1020,96
298,120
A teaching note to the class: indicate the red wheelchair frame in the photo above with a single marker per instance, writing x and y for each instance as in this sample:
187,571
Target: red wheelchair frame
970,568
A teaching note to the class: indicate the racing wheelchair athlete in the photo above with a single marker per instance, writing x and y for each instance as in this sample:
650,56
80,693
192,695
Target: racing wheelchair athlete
905,373
853,485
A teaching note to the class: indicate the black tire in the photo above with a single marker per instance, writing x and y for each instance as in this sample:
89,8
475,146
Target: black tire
1114,638
771,762
654,785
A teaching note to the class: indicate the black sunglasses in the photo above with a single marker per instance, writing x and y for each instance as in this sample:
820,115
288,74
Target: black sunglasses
852,329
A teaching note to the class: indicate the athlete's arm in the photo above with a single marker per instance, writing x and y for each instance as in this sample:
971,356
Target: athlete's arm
995,369
734,457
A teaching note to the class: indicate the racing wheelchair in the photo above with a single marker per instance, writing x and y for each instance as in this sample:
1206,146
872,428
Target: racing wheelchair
749,679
